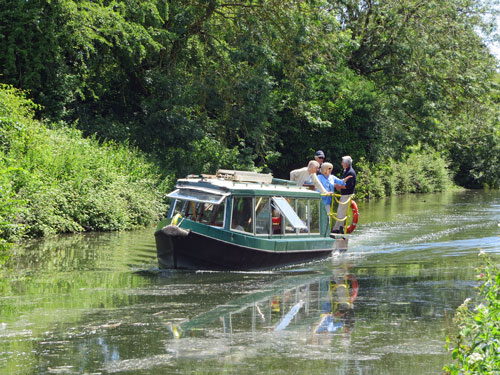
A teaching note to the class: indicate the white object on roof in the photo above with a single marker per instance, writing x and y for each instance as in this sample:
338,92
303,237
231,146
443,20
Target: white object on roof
244,176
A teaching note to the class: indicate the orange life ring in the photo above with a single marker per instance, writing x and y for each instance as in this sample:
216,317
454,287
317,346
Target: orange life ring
355,217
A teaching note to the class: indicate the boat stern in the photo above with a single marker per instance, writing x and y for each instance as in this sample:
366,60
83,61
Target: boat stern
341,242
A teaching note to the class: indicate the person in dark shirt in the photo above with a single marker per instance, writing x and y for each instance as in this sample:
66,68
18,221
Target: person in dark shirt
345,194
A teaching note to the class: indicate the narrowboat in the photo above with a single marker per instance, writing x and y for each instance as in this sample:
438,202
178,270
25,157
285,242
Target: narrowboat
239,220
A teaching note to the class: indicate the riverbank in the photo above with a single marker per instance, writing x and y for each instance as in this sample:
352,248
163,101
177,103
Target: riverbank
419,171
475,343
53,180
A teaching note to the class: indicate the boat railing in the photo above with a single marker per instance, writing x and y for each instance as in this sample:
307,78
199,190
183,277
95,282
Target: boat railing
332,214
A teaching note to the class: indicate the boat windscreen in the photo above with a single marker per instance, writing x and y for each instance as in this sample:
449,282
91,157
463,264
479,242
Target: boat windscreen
197,196
288,212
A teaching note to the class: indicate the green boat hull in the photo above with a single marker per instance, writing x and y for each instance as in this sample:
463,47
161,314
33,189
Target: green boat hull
196,246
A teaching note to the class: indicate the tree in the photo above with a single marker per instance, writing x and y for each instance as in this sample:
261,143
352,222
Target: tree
262,83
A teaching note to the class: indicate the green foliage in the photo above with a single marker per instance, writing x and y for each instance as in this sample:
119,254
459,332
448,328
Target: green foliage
369,181
19,109
266,83
9,207
477,342
420,171
435,77
475,146
54,181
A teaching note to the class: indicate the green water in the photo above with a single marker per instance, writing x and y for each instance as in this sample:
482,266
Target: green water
96,304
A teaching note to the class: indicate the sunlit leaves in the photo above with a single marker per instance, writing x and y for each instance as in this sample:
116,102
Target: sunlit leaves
287,77
477,341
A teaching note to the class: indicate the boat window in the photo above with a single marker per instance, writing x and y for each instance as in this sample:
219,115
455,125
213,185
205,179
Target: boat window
289,213
301,210
178,207
300,207
313,219
242,218
211,214
289,229
262,215
206,213
191,211
276,219
219,214
198,195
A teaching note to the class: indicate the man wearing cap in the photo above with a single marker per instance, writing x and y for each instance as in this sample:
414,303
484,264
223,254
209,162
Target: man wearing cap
319,156
345,193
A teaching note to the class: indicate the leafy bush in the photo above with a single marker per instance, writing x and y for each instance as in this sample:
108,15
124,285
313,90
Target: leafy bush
404,178
9,207
477,342
420,171
206,155
369,182
67,183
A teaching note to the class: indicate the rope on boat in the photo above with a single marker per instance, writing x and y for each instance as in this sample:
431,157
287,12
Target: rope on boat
353,207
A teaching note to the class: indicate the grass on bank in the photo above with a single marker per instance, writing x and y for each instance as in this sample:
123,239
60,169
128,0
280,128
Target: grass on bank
420,171
52,180
476,344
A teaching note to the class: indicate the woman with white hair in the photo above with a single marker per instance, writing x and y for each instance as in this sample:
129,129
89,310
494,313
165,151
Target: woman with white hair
307,175
345,194
330,183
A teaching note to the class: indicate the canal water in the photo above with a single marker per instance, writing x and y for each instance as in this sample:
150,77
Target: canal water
97,304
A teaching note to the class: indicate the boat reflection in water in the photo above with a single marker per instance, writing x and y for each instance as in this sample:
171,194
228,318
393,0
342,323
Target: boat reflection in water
312,305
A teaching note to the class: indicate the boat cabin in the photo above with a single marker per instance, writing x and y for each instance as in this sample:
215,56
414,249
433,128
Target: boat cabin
248,203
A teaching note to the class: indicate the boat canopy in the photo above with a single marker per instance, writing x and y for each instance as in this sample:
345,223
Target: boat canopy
202,195
288,212
255,208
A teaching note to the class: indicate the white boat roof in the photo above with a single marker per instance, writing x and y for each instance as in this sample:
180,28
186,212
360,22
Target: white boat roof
258,183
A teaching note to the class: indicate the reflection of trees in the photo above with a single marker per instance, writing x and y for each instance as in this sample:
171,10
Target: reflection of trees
55,314
399,288
78,252
53,289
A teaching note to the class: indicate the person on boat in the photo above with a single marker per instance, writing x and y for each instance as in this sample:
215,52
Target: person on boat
276,220
346,193
319,156
330,183
308,175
